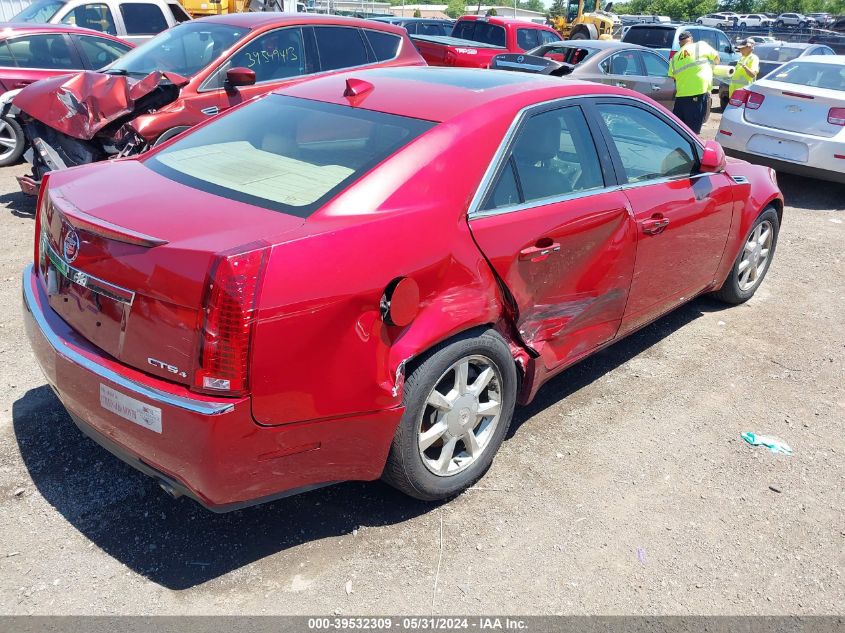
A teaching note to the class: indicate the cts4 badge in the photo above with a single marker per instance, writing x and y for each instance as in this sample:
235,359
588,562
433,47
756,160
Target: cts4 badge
173,369
70,246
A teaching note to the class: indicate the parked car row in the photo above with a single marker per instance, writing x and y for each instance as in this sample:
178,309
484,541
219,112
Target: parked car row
731,20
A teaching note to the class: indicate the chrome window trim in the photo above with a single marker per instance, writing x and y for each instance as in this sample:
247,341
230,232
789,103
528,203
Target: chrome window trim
483,188
71,355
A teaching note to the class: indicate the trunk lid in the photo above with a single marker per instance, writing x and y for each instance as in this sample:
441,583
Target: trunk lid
795,108
128,267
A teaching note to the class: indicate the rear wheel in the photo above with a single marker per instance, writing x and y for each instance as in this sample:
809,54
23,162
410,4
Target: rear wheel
753,261
12,142
723,101
580,32
458,406
743,25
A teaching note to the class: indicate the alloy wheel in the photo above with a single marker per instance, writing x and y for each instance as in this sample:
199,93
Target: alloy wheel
755,256
8,139
460,416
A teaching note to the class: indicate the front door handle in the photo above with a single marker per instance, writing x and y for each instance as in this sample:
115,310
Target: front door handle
655,225
621,84
655,87
538,253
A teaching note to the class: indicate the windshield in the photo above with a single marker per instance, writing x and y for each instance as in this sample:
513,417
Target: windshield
185,49
568,54
285,154
39,12
811,74
652,37
777,53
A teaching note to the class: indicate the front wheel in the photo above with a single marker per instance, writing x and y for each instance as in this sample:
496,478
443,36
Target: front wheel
753,261
458,407
743,25
12,141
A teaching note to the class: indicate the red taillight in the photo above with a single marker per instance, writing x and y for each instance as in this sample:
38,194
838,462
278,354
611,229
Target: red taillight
40,210
672,54
754,101
836,116
738,98
229,317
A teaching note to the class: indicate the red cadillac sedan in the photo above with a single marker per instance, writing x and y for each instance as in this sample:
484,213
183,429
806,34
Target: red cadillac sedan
361,276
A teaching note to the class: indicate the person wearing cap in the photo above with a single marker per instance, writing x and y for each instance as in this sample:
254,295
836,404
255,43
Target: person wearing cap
692,69
747,68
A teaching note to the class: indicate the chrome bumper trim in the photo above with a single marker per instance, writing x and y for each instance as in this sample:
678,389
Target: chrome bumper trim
71,355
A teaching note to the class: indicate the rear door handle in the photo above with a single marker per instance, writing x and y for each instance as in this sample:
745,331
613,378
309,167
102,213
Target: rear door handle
656,87
538,253
621,84
655,225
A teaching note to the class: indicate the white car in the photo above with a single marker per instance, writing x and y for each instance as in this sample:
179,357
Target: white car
793,19
793,119
754,21
719,20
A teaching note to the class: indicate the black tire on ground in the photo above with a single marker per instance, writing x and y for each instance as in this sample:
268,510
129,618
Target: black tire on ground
14,128
580,32
405,469
723,101
731,292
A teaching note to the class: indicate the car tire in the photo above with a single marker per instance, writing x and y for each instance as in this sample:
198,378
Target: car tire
723,102
169,134
12,141
442,410
699,22
735,290
779,24
743,25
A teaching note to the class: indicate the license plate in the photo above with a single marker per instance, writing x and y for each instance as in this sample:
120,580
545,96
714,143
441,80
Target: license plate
779,148
130,409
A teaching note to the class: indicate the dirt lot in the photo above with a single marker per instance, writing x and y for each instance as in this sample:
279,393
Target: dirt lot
625,488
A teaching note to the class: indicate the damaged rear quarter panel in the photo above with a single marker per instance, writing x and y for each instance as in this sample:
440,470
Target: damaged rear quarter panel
321,348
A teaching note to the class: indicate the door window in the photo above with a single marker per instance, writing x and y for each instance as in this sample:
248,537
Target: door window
655,65
42,51
648,147
553,155
527,39
142,18
547,37
96,17
340,47
99,51
724,43
384,45
624,63
273,56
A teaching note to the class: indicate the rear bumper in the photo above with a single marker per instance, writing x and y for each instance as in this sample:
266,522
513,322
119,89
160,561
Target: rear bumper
209,450
788,167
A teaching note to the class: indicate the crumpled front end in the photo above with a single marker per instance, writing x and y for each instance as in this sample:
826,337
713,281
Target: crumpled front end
79,119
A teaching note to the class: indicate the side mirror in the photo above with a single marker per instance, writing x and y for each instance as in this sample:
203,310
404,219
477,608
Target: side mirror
239,76
713,159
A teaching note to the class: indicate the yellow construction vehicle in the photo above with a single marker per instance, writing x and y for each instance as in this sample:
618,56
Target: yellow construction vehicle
199,8
573,24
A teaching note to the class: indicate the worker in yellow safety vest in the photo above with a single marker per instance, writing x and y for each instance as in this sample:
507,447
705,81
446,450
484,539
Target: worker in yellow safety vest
747,68
692,69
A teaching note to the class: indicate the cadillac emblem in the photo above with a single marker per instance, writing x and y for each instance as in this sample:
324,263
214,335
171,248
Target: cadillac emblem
70,246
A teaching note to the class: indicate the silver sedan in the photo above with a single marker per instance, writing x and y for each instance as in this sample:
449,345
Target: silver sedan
792,120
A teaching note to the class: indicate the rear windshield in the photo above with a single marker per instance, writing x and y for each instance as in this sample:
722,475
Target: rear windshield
285,154
777,53
828,76
652,37
568,54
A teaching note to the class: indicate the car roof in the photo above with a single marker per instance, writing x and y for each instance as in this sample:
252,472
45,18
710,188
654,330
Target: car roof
399,18
16,28
798,45
833,60
596,44
439,93
502,21
271,18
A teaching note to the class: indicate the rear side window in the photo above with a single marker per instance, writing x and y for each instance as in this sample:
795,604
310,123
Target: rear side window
553,155
480,31
624,63
99,51
648,147
527,39
42,51
651,37
655,66
141,18
285,154
179,14
547,37
384,45
433,28
340,47
96,17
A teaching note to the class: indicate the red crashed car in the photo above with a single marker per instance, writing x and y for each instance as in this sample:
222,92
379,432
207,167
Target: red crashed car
360,277
29,53
189,73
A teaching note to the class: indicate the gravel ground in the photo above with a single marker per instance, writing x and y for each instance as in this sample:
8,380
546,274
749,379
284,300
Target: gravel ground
625,488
